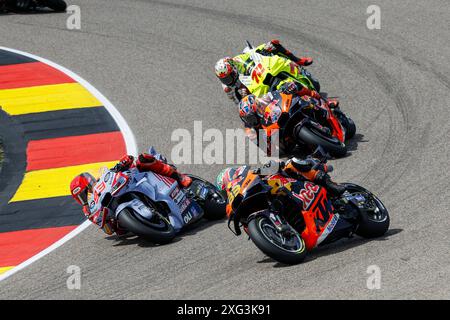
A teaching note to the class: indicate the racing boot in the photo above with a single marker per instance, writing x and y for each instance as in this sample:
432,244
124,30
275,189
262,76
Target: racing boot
274,46
304,61
324,180
147,162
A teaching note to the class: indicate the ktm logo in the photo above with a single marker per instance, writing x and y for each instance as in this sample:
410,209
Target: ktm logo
307,194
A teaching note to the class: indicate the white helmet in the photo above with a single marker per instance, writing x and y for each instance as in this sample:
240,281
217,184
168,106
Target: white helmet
226,71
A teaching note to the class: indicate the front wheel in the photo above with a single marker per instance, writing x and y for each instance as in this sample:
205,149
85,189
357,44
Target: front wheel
287,247
312,136
159,232
374,217
348,124
350,128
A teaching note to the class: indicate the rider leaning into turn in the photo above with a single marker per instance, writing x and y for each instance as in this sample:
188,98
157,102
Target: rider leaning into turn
83,184
310,169
228,69
257,113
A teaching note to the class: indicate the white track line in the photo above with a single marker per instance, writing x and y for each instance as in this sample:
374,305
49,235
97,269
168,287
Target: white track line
124,128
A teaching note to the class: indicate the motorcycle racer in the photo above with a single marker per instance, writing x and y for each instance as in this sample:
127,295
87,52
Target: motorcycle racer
257,113
281,60
83,184
310,169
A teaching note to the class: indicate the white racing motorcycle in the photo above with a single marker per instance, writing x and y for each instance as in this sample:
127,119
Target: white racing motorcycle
153,206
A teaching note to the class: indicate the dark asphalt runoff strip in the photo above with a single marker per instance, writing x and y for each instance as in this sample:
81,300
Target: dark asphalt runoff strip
64,123
14,162
8,58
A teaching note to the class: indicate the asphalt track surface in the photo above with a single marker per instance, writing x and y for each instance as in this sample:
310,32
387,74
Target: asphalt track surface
154,60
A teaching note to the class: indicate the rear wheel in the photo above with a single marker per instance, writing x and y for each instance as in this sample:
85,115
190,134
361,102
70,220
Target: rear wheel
347,123
287,247
313,136
350,128
159,230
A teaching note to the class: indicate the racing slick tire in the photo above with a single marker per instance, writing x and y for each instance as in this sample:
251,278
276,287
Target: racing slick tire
312,136
128,220
261,237
371,224
350,128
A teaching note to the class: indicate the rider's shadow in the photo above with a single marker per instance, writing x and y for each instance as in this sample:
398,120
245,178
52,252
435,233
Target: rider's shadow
334,248
352,144
191,230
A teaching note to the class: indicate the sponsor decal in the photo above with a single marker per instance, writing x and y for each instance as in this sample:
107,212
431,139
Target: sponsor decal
76,190
307,195
185,204
328,229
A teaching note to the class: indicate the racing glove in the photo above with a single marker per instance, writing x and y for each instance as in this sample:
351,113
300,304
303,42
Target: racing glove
124,164
230,93
304,61
251,133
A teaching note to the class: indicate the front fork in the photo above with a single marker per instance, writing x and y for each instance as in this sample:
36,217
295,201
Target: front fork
281,226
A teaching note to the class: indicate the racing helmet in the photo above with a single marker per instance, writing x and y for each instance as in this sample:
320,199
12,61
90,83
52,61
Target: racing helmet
226,71
81,186
247,110
227,175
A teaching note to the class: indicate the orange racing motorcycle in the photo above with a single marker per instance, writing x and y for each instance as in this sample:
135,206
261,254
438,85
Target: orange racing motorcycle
306,121
286,217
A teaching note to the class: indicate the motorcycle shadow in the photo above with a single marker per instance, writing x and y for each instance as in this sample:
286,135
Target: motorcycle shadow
131,239
352,144
29,12
334,248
